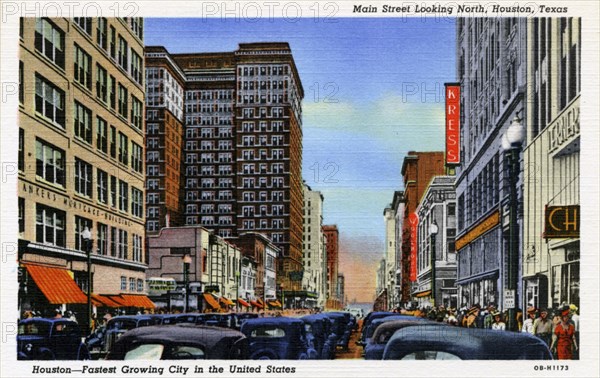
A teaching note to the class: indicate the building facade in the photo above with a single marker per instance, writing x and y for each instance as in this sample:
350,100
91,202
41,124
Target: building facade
491,69
436,265
418,168
551,245
242,145
398,209
332,246
81,149
314,280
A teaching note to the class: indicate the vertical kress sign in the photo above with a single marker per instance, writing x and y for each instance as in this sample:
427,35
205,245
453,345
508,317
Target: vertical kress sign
452,123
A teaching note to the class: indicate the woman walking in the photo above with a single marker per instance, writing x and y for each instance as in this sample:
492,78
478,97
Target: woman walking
564,341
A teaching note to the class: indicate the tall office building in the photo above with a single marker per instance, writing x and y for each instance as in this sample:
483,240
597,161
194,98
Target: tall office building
333,261
314,280
491,68
242,145
81,165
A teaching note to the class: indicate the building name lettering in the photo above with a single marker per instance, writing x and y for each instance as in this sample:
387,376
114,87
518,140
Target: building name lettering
565,128
483,227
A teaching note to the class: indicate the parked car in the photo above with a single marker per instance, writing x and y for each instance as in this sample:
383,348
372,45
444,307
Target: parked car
319,328
368,319
278,338
224,320
103,338
383,333
50,339
457,343
341,328
180,342
375,323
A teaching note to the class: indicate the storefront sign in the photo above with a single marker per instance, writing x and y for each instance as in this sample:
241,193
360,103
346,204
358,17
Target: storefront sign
565,128
483,227
413,220
509,299
452,123
561,222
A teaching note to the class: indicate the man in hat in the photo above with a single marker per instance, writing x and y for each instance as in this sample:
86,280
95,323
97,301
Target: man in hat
498,324
542,327
528,323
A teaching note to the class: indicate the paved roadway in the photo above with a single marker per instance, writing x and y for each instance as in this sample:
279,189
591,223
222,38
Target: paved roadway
354,351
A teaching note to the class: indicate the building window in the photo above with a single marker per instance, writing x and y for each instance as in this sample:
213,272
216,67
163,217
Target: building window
113,191
136,157
137,248
83,178
101,83
50,164
122,106
102,239
122,244
140,285
49,101
21,84
136,66
84,23
83,122
137,25
50,226
82,67
21,215
113,142
137,209
50,40
102,32
132,284
101,135
123,196
123,283
80,225
122,54
123,148
112,88
21,162
136,112
102,186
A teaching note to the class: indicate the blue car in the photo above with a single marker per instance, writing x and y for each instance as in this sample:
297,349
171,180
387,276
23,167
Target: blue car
103,338
384,332
341,328
319,328
278,338
375,323
367,321
456,343
50,339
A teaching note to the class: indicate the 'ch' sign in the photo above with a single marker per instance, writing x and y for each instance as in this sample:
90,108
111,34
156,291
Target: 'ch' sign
561,222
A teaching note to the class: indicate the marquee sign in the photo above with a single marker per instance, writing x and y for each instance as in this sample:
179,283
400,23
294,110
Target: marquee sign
561,222
413,220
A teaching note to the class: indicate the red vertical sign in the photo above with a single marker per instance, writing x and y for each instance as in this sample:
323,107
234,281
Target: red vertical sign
413,219
452,123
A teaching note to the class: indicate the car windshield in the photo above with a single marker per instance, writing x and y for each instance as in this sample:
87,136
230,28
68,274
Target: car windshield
125,324
267,332
430,355
186,352
34,329
145,352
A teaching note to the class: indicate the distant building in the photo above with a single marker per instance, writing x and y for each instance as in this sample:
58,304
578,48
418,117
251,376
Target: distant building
389,218
314,279
332,235
398,209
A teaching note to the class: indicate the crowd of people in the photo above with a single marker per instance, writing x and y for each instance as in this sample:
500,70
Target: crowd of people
558,328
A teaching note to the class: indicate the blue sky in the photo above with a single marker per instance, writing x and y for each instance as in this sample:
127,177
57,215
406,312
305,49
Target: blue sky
373,91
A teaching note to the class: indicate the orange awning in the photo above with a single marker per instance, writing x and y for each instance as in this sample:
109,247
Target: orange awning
137,300
120,301
275,303
423,294
103,301
226,301
256,304
243,302
210,299
56,284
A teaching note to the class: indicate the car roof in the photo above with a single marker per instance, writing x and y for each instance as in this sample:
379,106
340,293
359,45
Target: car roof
386,319
395,325
184,333
282,320
466,343
46,320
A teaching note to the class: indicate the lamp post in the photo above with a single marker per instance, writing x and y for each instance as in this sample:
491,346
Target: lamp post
86,235
187,260
433,230
511,144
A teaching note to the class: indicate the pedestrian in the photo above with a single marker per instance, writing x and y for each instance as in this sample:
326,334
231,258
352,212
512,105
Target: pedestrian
93,323
542,327
57,314
498,324
575,321
488,319
528,324
563,342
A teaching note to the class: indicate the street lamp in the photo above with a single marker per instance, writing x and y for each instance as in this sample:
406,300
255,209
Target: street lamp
86,235
187,260
433,230
511,144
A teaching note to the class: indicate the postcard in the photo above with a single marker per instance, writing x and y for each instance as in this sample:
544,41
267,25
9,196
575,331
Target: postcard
295,188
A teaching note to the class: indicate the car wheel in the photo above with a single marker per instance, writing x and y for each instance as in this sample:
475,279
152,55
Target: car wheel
263,357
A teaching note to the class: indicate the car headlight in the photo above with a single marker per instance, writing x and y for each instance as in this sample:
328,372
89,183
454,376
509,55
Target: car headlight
28,348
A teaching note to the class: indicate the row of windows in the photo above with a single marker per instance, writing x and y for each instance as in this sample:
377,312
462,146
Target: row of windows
267,112
209,132
134,284
208,95
51,229
268,70
50,166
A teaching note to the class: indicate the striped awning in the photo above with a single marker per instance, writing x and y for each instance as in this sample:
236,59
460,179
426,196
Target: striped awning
56,284
425,293
243,302
256,304
226,301
103,301
137,300
210,299
275,303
